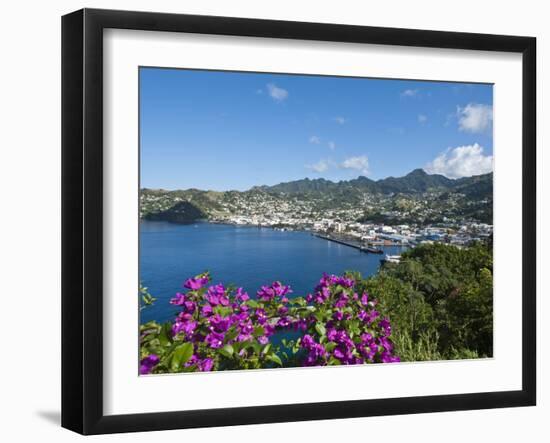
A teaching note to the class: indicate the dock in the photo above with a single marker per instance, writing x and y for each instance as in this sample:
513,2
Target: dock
351,245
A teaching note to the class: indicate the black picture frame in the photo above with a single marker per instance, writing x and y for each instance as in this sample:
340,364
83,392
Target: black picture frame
82,218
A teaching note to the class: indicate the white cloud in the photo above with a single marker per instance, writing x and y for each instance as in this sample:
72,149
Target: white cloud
359,163
410,93
463,161
422,118
332,146
315,139
475,118
277,94
321,166
340,120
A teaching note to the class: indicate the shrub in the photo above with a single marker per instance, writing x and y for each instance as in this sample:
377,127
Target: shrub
440,299
220,328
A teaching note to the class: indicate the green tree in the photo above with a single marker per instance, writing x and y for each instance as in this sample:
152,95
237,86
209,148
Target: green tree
439,299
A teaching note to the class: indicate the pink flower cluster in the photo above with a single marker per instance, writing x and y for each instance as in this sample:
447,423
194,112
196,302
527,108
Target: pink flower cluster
227,329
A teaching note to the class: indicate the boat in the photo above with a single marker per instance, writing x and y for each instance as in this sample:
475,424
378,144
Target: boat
391,259
373,250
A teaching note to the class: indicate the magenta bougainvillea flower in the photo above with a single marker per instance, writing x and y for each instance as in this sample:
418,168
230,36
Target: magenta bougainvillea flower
214,340
147,364
197,282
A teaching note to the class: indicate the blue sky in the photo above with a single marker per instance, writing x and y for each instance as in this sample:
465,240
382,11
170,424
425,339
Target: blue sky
227,130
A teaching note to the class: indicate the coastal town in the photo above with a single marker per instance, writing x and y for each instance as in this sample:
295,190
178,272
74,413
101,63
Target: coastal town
343,224
366,220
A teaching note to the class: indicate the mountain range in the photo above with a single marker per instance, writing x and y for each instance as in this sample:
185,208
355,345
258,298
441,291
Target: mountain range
416,181
416,196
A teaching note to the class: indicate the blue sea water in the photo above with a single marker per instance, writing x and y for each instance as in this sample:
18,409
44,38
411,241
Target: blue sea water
241,255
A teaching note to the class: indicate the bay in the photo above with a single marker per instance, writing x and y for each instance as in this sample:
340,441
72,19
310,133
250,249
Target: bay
241,255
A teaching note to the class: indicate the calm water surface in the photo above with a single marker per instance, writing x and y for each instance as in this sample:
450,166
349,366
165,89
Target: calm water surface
245,256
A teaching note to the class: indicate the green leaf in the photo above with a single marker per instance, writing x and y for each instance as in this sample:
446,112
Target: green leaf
149,337
238,346
227,351
353,326
252,303
181,355
149,325
256,347
231,333
224,311
275,359
320,328
165,336
266,349
155,342
148,299
258,331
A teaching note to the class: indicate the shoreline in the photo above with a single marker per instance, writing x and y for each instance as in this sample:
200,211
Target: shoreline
331,237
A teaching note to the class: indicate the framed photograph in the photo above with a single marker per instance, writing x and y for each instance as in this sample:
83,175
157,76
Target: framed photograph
269,221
